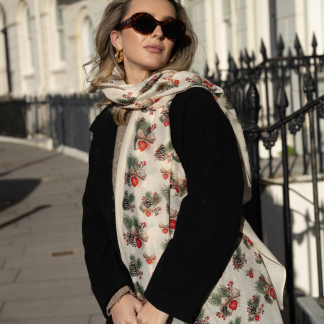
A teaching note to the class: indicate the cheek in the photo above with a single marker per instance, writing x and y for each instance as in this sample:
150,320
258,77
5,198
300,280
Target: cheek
132,42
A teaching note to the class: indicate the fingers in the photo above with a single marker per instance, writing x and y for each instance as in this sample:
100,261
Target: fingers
138,306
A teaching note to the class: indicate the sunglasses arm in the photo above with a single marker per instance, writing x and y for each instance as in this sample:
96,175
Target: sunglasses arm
128,23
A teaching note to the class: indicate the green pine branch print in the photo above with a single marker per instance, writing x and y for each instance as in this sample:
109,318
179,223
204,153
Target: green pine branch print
143,124
238,320
238,251
164,244
260,283
137,261
130,197
139,289
176,158
216,297
132,161
165,191
236,120
128,222
169,147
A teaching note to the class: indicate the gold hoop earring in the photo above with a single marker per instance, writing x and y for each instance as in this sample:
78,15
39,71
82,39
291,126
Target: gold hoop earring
173,59
119,56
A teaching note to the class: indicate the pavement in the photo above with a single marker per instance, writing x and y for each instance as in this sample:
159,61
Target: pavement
43,277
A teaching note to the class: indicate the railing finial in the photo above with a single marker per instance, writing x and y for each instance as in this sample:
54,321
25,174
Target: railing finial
298,47
263,50
282,101
280,46
253,104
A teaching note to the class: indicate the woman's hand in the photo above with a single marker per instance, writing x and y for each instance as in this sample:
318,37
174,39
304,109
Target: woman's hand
151,315
125,310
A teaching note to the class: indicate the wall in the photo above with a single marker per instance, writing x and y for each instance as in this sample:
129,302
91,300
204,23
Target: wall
303,234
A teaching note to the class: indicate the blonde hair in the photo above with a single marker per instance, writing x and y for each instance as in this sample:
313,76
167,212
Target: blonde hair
104,61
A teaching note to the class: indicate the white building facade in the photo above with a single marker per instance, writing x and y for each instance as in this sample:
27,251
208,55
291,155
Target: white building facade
49,40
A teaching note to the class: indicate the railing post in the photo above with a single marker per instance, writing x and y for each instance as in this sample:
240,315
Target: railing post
282,104
263,51
253,207
309,89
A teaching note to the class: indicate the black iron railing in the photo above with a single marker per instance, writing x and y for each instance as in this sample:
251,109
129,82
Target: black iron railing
274,78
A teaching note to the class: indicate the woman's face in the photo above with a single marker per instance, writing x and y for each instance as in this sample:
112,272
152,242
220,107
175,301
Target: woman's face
137,49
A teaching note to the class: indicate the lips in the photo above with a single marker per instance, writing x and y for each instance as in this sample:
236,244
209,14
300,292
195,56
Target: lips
154,48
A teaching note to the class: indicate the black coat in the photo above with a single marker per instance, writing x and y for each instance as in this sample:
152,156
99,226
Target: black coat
209,216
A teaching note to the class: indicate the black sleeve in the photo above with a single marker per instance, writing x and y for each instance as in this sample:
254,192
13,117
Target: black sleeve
209,216
103,264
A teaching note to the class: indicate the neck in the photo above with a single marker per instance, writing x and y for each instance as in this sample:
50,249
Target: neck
134,72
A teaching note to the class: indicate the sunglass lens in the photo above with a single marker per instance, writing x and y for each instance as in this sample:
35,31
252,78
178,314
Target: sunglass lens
144,25
173,29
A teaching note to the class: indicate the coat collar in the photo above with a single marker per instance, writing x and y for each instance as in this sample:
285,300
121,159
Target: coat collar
102,174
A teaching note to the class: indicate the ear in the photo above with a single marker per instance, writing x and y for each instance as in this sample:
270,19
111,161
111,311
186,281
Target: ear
115,37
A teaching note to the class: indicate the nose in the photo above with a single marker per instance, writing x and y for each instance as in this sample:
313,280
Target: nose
158,33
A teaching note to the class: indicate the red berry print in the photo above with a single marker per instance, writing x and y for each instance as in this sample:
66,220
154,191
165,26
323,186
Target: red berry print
251,275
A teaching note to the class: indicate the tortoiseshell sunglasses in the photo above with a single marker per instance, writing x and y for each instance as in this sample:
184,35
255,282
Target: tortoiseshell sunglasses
144,24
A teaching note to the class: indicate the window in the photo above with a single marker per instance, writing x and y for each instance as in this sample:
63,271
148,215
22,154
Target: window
87,42
27,40
60,32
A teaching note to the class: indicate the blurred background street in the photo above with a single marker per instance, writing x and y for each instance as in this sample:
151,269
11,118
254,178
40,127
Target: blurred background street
43,277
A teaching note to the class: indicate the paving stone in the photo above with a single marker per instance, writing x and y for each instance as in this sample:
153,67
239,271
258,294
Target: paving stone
50,307
5,241
45,289
12,250
43,249
41,260
46,237
56,320
55,272
7,276
97,319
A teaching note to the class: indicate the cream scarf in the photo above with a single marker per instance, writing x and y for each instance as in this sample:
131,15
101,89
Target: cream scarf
151,182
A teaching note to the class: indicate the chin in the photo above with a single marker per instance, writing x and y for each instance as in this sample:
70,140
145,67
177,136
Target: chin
152,65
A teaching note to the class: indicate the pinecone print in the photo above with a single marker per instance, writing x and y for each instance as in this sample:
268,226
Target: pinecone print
130,239
167,206
135,265
135,142
133,269
164,152
265,288
126,204
253,310
225,311
128,179
160,153
147,202
268,299
247,242
239,259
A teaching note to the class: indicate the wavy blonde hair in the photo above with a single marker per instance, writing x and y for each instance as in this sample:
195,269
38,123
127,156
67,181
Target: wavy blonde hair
104,61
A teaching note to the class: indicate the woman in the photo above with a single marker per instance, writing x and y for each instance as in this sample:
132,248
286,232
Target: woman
162,228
